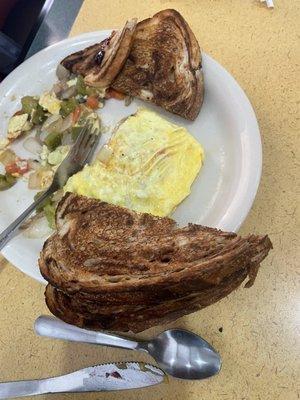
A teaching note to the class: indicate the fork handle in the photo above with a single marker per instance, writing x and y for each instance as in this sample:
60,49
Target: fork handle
8,233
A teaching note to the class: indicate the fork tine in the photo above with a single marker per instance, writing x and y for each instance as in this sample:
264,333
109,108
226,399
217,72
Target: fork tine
81,149
92,144
88,136
77,144
81,139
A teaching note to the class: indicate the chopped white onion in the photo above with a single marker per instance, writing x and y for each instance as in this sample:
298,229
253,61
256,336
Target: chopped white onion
37,135
68,93
67,140
58,195
33,164
38,227
104,154
7,157
67,123
40,179
32,144
58,88
62,73
52,123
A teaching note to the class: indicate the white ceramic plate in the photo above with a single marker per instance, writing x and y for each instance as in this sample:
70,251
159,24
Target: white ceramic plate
223,192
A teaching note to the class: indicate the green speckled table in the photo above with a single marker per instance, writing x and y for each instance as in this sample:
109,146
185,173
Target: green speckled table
259,342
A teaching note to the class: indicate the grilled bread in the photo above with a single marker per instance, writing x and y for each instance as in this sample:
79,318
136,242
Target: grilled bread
159,60
164,65
112,268
101,63
139,318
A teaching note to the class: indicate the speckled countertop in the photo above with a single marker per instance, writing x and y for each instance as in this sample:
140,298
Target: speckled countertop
259,339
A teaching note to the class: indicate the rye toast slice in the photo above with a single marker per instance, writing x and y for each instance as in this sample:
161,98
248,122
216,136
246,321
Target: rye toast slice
157,60
164,65
139,319
101,63
113,268
102,248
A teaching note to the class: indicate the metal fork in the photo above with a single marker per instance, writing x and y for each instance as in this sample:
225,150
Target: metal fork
77,157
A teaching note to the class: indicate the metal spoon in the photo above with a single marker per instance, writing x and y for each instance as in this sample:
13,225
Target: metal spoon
178,352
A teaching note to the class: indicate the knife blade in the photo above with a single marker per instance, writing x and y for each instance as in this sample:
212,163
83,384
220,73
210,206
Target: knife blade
99,378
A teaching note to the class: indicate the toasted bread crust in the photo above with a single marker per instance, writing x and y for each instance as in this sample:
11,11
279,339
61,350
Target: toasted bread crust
164,65
115,57
157,60
106,261
139,318
115,50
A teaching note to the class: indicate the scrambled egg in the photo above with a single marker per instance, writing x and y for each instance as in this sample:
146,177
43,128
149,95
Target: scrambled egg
50,103
57,156
17,125
150,167
3,143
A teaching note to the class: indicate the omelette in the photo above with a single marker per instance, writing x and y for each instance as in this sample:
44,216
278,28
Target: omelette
149,166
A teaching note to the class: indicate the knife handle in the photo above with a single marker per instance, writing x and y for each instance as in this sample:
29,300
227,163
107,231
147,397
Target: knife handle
54,328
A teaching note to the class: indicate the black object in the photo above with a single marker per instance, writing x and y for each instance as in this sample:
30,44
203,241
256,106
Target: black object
33,25
99,57
10,52
19,30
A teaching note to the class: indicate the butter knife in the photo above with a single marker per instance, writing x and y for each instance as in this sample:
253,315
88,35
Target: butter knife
99,378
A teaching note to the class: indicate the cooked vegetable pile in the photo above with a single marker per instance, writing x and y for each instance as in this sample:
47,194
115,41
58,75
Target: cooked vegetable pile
49,125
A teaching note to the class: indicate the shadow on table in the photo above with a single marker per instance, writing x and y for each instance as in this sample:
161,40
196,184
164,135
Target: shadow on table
76,356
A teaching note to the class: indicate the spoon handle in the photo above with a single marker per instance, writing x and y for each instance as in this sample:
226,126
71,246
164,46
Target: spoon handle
54,328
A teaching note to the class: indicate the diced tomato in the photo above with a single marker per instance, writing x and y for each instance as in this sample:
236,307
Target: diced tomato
19,167
114,94
76,114
92,102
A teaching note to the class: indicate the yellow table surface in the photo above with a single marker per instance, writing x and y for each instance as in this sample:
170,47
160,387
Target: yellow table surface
259,343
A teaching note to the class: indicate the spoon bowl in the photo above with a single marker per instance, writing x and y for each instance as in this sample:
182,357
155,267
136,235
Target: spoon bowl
184,354
180,353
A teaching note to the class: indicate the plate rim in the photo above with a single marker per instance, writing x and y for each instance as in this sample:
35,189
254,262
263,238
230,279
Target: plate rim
253,174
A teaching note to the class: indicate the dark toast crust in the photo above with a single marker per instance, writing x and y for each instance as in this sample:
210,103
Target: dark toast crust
138,318
100,72
157,60
100,247
108,263
164,65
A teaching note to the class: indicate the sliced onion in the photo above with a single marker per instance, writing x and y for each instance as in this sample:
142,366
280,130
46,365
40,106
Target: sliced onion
58,196
67,123
7,157
67,139
37,135
62,73
68,93
32,144
104,154
52,123
40,179
58,88
38,227
33,164
34,181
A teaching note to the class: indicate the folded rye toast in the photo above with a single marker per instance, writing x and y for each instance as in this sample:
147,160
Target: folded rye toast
139,318
157,60
112,268
101,62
